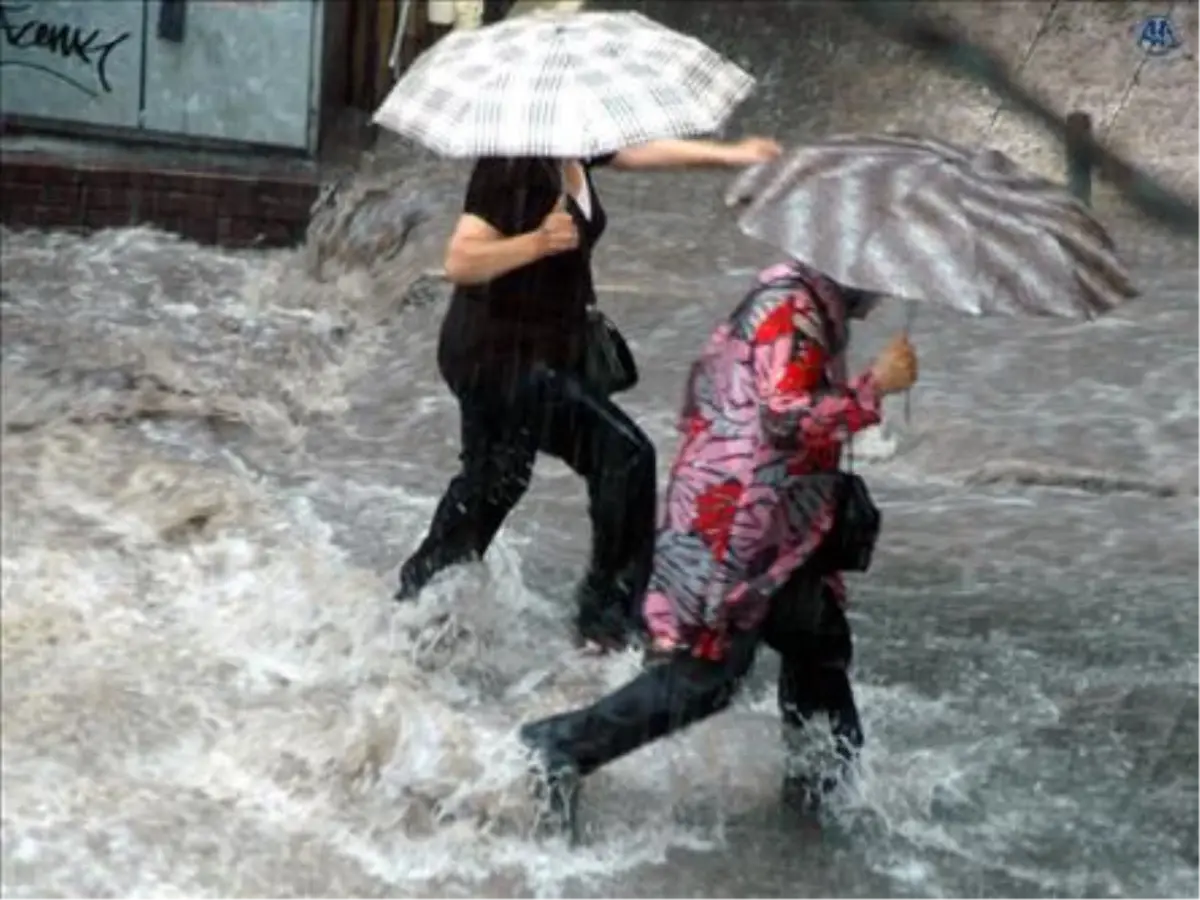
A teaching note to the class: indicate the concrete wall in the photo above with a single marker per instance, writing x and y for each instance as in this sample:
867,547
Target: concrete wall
244,72
72,61
240,71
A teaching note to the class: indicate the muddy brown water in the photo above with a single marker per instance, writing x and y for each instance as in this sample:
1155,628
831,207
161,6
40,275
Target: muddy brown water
212,465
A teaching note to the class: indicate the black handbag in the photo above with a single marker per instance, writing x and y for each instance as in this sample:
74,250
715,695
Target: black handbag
850,543
608,364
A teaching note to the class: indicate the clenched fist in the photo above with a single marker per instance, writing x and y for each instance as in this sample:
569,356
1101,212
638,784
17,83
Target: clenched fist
895,369
558,233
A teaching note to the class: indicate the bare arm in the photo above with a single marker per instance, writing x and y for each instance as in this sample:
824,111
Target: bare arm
478,253
671,154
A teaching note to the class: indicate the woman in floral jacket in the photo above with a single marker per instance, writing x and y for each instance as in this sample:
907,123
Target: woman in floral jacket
751,496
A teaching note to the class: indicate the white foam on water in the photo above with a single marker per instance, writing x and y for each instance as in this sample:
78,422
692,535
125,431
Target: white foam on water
203,693
206,690
248,669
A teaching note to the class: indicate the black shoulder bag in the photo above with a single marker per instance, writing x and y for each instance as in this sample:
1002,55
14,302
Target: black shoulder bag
850,543
608,363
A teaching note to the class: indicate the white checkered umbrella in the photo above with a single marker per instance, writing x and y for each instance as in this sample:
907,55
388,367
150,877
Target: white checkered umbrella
562,85
922,219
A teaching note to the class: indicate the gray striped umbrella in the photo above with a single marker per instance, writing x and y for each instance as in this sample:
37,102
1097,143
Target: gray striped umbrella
562,85
916,218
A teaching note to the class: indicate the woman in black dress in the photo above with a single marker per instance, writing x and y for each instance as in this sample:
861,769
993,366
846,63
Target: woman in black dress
511,349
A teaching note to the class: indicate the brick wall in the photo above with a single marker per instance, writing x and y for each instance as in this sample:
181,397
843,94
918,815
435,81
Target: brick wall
210,207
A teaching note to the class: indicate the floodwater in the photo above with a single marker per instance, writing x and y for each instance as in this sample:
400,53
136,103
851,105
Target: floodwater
212,465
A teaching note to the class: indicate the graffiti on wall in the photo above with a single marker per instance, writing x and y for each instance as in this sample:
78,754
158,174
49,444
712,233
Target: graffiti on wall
73,54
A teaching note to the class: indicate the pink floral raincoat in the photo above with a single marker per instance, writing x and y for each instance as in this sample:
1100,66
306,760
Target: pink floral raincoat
767,409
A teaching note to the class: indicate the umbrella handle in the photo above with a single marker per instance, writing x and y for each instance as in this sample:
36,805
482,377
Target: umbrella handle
910,316
563,194
398,39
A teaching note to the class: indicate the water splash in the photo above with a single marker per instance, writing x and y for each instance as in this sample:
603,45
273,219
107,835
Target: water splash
212,461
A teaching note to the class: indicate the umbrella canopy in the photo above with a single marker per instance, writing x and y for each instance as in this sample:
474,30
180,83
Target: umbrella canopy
562,85
924,220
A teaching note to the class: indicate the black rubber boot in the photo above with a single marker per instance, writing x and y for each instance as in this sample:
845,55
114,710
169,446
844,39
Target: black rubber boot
603,615
437,553
802,795
806,787
414,575
658,701
423,566
556,788
806,792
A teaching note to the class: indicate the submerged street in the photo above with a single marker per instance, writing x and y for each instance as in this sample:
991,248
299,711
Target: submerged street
214,463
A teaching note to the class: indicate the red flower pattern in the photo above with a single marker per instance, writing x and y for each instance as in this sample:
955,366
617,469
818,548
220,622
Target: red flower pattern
777,324
818,456
804,372
693,427
697,425
709,645
715,509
